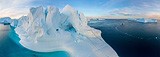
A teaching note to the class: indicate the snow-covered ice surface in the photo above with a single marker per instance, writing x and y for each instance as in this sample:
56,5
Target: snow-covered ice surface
48,30
144,20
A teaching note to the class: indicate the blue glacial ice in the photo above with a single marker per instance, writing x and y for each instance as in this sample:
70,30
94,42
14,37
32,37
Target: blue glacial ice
9,21
48,30
14,23
4,23
5,20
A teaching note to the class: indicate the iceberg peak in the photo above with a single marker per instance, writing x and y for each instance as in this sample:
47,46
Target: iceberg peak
68,8
37,9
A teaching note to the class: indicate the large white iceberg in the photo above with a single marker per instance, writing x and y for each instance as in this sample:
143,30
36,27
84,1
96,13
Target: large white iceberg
51,30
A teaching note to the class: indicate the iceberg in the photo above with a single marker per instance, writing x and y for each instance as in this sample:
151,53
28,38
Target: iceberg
5,20
147,20
144,20
14,23
49,30
4,23
9,21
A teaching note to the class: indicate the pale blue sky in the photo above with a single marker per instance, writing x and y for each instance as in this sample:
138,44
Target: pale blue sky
111,8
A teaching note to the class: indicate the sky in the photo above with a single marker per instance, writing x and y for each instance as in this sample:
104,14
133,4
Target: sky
90,8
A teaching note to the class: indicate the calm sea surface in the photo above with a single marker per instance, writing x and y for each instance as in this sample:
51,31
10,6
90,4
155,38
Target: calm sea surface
129,38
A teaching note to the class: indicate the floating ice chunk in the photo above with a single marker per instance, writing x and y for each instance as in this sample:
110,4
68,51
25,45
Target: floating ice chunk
5,20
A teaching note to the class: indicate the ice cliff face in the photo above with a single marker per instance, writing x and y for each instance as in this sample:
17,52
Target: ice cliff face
50,30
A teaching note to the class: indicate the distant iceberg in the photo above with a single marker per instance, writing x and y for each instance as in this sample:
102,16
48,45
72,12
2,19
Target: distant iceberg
5,20
9,21
48,30
144,20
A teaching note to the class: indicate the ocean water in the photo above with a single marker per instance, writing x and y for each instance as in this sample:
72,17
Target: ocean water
10,47
129,38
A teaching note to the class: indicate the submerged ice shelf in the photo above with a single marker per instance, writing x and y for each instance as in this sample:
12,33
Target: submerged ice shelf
48,30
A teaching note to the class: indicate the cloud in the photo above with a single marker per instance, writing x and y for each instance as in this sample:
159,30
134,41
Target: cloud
136,8
123,11
14,8
144,8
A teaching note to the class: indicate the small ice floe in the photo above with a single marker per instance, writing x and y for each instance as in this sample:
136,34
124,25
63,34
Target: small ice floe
156,37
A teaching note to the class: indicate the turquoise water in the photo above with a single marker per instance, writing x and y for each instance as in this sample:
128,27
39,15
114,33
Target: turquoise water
10,47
